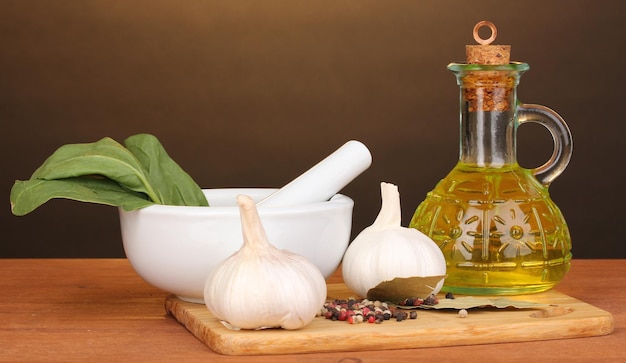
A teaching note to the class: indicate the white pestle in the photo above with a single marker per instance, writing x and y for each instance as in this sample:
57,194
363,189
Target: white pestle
325,179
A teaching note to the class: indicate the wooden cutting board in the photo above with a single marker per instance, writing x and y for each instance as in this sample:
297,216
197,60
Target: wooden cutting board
565,317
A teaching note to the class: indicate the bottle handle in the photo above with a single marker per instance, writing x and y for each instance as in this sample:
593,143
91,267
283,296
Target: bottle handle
561,136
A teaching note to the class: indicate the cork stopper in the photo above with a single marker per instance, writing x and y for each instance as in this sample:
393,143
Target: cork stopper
485,52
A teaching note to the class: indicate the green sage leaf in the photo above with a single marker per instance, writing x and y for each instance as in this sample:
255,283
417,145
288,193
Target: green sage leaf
105,157
106,172
171,183
27,195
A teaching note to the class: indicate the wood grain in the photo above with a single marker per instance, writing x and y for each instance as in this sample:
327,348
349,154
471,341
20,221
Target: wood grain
100,310
564,317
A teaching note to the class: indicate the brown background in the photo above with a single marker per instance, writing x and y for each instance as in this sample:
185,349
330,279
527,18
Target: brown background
252,93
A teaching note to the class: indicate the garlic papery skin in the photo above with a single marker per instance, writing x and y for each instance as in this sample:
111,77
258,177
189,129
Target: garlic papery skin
386,250
260,286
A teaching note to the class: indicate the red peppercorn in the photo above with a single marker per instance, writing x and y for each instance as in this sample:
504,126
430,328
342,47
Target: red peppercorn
343,315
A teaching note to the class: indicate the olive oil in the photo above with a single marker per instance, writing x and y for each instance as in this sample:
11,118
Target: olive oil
498,229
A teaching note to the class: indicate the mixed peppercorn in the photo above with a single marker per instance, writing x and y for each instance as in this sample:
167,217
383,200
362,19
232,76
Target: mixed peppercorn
430,300
356,311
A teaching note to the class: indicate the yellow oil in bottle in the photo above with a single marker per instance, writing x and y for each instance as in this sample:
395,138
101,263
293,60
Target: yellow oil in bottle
498,229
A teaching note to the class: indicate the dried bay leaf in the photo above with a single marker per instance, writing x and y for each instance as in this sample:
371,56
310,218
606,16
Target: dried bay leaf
400,288
469,302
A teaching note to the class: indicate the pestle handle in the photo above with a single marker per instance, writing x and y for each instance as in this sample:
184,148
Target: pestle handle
324,179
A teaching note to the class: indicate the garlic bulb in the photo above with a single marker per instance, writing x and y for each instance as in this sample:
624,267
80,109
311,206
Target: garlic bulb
260,286
386,250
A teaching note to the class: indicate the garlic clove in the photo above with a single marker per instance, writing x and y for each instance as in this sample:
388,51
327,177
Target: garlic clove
386,250
260,286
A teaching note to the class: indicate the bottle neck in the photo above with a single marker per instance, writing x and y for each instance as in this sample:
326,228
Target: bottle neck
488,103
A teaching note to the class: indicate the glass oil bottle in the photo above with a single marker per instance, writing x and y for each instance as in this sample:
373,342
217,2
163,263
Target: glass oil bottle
500,232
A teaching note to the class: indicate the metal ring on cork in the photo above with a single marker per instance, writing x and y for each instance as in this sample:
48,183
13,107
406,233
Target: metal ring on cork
491,26
484,52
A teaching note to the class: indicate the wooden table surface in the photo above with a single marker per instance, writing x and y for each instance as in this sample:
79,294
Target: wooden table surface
101,310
